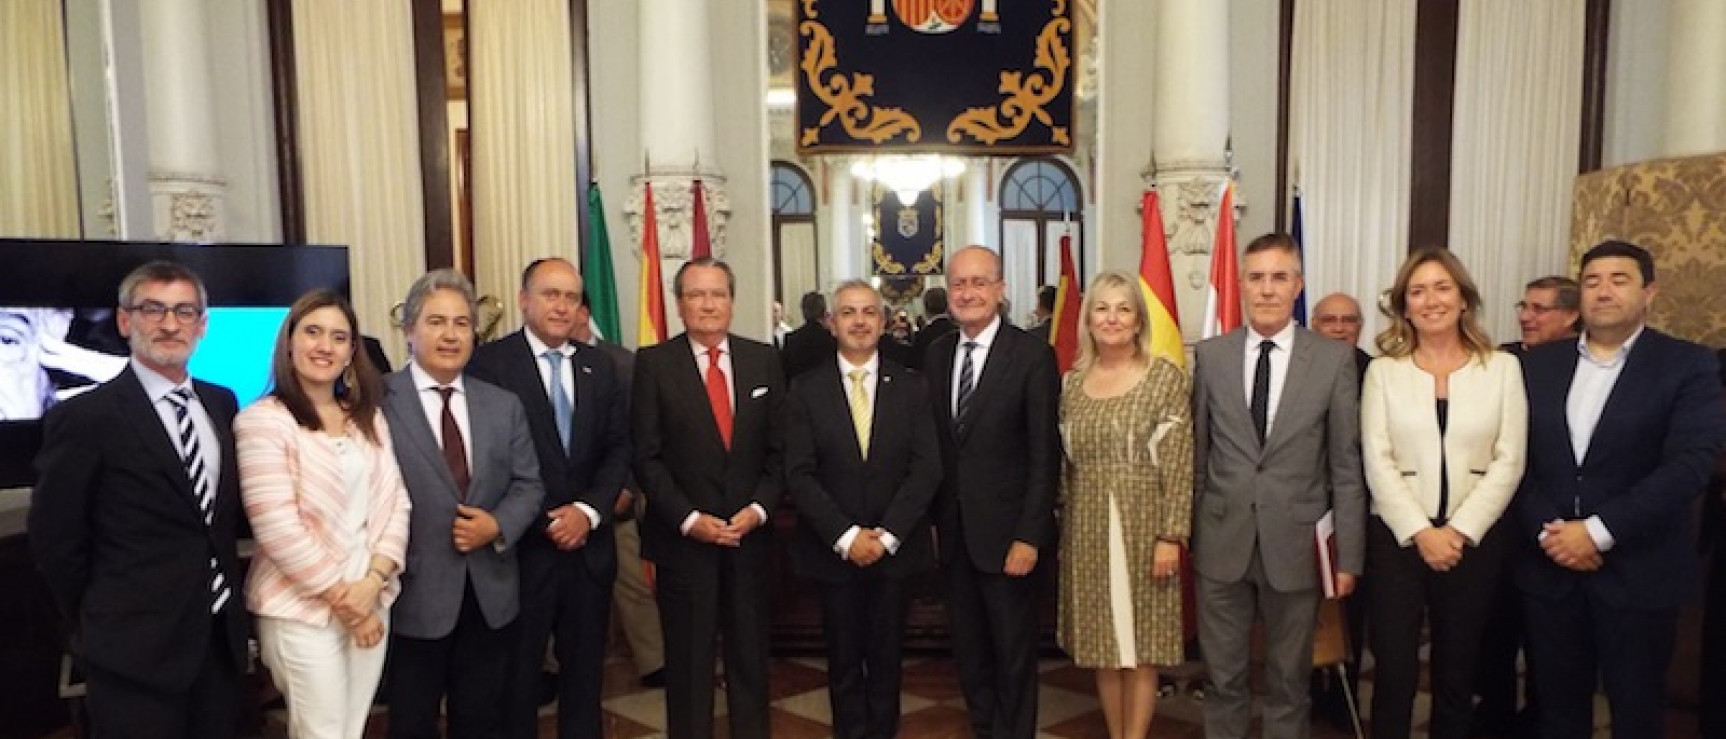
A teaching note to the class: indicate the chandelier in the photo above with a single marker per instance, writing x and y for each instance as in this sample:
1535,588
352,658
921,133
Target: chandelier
907,175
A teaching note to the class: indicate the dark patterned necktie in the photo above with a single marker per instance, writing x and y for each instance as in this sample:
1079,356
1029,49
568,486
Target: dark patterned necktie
966,380
454,447
192,456
1262,389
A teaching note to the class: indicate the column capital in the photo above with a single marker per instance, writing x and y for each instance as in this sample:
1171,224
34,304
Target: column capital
674,209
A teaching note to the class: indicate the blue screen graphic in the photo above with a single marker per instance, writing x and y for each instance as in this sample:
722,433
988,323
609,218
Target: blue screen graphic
235,352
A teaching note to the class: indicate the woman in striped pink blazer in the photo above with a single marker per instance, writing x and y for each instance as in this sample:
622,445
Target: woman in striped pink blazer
330,514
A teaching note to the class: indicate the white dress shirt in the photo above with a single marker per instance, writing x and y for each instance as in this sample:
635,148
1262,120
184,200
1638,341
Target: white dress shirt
979,356
567,378
431,402
1590,387
1284,341
157,388
701,361
871,379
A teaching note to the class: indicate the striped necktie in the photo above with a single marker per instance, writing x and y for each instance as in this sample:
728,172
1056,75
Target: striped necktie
192,456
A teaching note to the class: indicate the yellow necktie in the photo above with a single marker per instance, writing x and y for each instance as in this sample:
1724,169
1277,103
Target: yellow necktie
861,413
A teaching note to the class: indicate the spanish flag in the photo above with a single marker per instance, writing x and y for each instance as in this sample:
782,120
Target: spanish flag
1223,299
1064,325
650,317
1158,283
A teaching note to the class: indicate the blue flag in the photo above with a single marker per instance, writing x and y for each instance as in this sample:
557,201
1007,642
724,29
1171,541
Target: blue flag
1300,241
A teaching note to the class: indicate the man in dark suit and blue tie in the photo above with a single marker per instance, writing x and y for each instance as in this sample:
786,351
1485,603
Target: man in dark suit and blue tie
1623,429
996,402
709,451
467,458
576,414
861,463
133,520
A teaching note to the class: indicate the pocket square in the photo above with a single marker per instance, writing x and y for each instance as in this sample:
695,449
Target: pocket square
758,392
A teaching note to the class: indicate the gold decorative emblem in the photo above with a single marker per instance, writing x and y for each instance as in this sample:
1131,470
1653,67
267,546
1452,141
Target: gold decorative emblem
1026,95
845,94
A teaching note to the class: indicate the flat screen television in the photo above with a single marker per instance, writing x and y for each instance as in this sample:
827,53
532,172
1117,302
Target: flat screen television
58,335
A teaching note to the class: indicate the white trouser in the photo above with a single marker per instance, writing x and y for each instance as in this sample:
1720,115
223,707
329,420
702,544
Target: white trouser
326,679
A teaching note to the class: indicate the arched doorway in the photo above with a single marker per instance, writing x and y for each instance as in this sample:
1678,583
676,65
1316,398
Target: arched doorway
1040,203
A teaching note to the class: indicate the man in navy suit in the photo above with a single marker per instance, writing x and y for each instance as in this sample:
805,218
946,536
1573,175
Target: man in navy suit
1624,426
576,414
861,462
133,522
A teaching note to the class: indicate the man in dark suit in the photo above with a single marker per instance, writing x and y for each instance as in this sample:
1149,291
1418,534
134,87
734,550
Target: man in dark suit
939,325
576,413
996,400
132,523
1044,311
631,595
862,489
467,457
1623,429
811,344
1276,419
708,456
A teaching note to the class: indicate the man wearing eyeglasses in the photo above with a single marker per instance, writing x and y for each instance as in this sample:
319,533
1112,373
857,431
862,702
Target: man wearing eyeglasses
133,520
1550,310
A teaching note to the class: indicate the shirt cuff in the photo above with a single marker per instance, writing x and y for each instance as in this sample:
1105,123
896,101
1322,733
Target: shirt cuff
843,546
592,515
688,522
1603,540
889,541
759,511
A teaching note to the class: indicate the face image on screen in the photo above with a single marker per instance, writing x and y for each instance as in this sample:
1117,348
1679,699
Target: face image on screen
50,354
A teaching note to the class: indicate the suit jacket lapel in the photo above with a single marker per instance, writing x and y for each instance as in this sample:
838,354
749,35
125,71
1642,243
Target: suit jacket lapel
585,404
994,366
690,378
525,367
485,437
1234,407
135,403
1296,390
411,421
941,379
1632,376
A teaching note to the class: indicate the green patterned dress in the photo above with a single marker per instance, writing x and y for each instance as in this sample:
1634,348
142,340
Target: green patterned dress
1127,482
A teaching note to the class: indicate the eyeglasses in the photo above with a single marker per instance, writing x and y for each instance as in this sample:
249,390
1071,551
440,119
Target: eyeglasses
155,311
1348,320
1535,308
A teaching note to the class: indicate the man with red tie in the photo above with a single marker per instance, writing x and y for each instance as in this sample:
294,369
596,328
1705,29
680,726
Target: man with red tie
708,448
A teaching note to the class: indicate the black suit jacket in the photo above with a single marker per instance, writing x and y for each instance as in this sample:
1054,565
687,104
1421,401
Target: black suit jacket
1651,454
593,468
682,464
937,327
806,348
119,537
836,488
1003,459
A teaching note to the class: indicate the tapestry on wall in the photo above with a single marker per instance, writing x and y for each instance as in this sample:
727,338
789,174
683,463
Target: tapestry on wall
976,77
907,238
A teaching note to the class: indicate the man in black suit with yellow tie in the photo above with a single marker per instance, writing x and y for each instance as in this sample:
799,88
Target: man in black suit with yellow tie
577,415
861,463
708,456
996,401
133,521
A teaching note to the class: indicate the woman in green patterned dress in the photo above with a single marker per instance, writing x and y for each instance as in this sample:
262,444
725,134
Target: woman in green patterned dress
1126,502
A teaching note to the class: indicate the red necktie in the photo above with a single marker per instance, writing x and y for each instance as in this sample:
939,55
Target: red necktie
719,396
454,447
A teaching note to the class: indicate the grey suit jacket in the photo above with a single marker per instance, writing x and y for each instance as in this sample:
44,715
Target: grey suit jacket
1277,490
505,481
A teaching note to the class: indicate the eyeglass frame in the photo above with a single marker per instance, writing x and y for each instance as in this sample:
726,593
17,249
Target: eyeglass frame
156,311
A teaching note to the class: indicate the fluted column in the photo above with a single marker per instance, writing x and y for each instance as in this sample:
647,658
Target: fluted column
976,193
1190,139
187,187
1695,79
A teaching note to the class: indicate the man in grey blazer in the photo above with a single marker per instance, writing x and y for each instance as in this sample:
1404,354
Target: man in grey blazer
473,476
1272,456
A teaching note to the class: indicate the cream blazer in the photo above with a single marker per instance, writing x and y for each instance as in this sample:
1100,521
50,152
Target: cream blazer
1485,443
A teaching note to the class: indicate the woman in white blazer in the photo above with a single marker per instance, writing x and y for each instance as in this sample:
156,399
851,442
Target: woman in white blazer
330,514
1443,434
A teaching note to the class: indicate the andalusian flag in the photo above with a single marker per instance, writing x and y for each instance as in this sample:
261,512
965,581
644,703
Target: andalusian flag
1158,283
650,318
598,279
1223,299
1064,324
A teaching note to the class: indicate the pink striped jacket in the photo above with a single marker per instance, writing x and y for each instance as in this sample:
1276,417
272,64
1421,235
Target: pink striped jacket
292,486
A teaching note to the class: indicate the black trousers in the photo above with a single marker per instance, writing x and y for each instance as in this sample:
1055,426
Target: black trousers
994,628
1712,712
1495,671
1579,641
1454,605
560,597
122,708
864,624
699,611
470,666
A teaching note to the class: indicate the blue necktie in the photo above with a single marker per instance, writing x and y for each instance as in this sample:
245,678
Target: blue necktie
560,409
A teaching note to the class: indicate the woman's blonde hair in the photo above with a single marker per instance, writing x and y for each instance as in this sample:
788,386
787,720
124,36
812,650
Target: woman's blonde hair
1112,280
1400,338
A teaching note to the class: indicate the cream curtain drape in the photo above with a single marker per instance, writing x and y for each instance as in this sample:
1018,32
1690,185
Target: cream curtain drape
1515,146
521,110
797,273
1350,118
38,166
359,147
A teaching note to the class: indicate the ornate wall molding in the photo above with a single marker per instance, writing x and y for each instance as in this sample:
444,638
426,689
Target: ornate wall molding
674,204
189,207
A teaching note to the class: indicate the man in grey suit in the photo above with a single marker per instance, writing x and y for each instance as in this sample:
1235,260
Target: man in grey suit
1272,457
473,476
